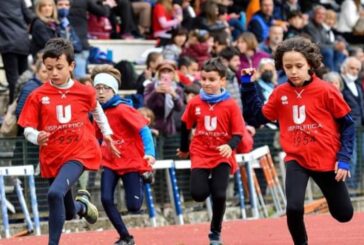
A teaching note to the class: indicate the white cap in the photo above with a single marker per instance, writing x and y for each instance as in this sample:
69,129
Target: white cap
108,80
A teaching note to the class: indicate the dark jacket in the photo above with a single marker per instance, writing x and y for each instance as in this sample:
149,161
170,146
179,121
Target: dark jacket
29,86
78,17
259,25
14,17
155,102
356,103
318,35
41,32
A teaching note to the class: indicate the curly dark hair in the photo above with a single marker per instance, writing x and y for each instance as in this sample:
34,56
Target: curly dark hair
304,46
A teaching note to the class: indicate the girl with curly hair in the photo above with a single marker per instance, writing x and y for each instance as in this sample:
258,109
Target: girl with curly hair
316,131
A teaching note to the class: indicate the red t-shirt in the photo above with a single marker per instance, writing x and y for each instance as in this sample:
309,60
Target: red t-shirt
125,123
158,12
307,117
65,114
215,125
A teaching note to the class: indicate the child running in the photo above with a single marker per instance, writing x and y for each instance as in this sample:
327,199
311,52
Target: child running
316,131
55,117
219,128
134,141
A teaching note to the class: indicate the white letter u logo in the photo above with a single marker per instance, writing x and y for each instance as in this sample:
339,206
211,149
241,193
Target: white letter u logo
63,115
299,114
210,123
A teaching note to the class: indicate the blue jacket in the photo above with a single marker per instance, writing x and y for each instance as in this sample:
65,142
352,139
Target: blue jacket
29,86
356,104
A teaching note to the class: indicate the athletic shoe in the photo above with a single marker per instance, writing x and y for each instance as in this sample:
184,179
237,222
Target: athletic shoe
129,240
215,238
91,214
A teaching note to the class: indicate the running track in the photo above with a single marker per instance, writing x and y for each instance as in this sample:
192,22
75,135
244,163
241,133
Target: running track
322,229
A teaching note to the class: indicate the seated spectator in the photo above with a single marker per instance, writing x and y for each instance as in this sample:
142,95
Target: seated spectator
275,37
250,56
173,50
335,79
44,26
188,71
266,78
197,46
128,27
143,11
262,20
221,41
209,18
164,97
166,16
296,25
332,52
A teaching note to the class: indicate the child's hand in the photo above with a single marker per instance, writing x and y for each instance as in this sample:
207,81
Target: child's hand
150,159
225,150
43,138
110,142
246,75
342,171
182,154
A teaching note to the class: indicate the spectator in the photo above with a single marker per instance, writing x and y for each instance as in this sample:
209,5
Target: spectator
197,46
78,19
274,39
296,25
165,17
335,79
332,52
143,11
188,71
351,11
221,41
14,40
250,56
266,78
209,18
164,97
262,20
230,57
173,50
354,96
128,27
44,26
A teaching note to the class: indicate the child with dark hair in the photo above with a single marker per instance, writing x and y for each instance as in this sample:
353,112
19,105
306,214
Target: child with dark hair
197,46
316,131
219,127
173,50
55,117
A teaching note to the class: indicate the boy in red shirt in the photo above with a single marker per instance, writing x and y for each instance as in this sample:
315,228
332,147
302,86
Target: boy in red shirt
134,141
55,117
316,131
219,129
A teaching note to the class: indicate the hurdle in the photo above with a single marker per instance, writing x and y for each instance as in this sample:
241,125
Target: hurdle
150,205
28,171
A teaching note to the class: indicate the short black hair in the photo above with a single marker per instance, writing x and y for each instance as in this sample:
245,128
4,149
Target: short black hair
56,47
215,64
185,61
229,52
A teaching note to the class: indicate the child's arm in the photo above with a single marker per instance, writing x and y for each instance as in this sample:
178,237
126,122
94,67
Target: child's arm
182,152
101,120
227,149
148,143
36,137
347,137
251,101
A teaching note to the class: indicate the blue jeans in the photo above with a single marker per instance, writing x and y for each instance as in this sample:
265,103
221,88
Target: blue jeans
332,58
81,64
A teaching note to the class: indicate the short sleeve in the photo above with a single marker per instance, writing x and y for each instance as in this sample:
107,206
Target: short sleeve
134,118
29,117
336,104
270,109
188,117
237,121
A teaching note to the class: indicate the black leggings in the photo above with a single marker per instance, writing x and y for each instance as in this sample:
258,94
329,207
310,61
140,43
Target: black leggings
214,182
335,193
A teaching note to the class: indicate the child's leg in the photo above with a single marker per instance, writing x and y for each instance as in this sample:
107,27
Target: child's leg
133,186
72,207
296,183
336,194
63,182
200,184
218,186
109,180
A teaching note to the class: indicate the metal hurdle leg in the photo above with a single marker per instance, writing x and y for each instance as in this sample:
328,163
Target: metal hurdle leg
174,195
150,205
239,184
252,191
209,207
23,204
4,208
33,197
